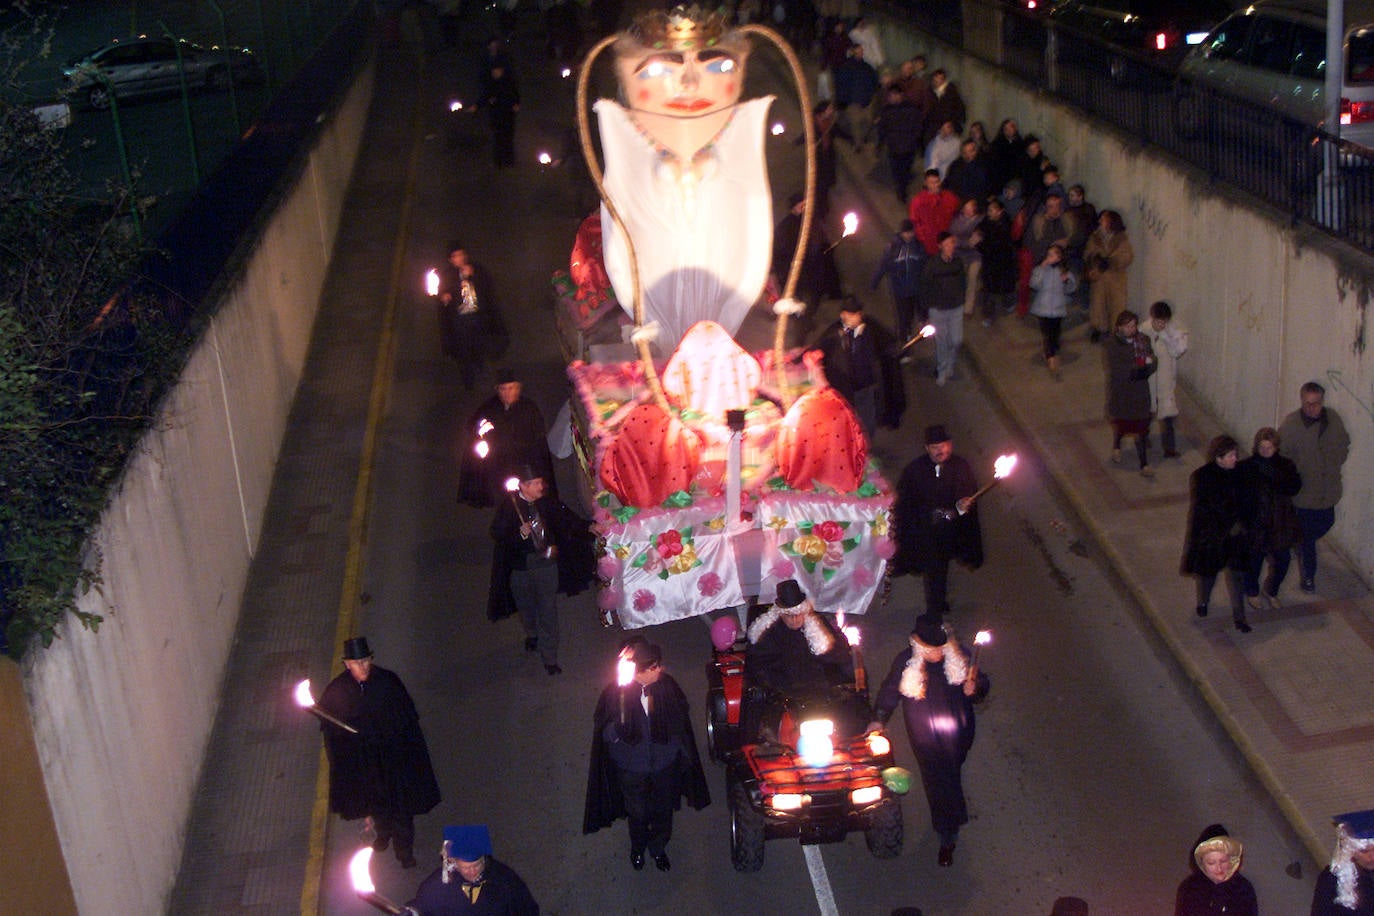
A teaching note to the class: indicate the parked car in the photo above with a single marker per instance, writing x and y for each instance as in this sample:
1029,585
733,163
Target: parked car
151,66
1274,55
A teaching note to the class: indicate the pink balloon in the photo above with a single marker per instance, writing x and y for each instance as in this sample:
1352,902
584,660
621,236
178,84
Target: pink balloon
885,548
608,599
724,632
607,566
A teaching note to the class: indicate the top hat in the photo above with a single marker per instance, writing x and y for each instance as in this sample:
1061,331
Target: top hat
936,434
789,595
355,649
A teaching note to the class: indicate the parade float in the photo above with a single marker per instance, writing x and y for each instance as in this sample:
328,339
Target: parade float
716,472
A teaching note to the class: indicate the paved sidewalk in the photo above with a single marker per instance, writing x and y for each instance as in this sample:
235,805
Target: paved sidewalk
1292,693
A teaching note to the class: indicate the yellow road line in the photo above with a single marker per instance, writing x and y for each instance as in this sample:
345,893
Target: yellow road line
382,375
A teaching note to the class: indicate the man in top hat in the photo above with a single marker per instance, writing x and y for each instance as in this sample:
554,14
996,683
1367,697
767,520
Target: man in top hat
383,772
508,432
542,549
936,686
644,758
937,519
1347,886
792,647
469,880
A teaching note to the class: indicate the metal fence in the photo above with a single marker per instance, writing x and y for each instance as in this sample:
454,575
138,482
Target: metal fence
1312,177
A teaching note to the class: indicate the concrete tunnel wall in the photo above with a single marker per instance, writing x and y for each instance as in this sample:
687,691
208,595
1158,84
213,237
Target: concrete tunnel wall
122,717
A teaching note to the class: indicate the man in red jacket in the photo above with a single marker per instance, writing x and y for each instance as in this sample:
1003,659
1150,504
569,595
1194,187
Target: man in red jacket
932,209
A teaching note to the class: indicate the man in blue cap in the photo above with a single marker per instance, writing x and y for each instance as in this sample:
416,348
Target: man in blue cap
470,881
1347,886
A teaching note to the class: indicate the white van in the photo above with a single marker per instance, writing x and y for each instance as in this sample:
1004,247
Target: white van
1274,53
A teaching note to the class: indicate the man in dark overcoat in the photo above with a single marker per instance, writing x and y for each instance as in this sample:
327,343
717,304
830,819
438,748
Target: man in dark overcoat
861,362
470,881
470,323
936,686
383,772
936,518
508,433
542,549
644,757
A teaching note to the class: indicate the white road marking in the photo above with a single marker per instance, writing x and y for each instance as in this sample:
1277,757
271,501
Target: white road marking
825,897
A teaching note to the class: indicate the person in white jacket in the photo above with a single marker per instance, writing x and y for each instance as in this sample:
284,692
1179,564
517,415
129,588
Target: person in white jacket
1170,343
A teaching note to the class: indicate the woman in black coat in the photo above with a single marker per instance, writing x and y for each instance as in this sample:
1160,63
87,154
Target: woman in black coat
1269,482
1216,885
1216,537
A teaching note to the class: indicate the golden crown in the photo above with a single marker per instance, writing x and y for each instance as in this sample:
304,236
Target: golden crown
683,28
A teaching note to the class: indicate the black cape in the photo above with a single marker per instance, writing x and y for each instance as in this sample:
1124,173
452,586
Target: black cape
385,767
502,894
923,541
1324,895
568,530
605,804
518,438
1216,534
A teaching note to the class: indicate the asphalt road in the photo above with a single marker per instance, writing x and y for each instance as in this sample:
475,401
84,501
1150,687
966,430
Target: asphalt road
1095,766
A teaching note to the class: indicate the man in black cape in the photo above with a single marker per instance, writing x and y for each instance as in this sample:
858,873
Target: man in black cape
937,519
542,549
383,772
470,881
936,686
861,362
644,758
508,432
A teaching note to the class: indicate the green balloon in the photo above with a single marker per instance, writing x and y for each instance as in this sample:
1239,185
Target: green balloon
897,779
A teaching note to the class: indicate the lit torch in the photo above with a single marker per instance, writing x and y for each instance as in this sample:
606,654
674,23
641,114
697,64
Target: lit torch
856,653
565,72
307,702
1001,469
362,882
777,129
482,447
624,675
980,639
927,331
432,282
455,106
545,159
851,226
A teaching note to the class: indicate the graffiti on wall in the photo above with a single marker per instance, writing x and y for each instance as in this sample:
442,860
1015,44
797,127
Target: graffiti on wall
1151,219
1356,282
1334,380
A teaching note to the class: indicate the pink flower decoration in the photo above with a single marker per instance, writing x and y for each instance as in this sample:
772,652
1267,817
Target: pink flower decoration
653,563
616,528
834,556
886,548
607,567
644,600
783,569
608,599
710,584
829,530
862,577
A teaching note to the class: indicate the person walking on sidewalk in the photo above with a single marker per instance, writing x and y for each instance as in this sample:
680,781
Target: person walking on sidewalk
1130,363
943,282
999,262
1170,342
931,209
1216,536
1318,444
1106,257
1052,285
1268,483
381,771
899,130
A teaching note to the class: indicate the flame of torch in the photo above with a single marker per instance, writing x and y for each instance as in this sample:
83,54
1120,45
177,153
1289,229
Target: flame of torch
851,224
1001,470
484,426
778,129
307,702
545,159
432,282
565,72
358,872
482,447
624,676
981,639
856,654
455,105
927,331
512,484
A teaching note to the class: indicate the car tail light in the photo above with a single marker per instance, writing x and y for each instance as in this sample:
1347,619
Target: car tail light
866,796
1356,112
1161,41
787,801
878,745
